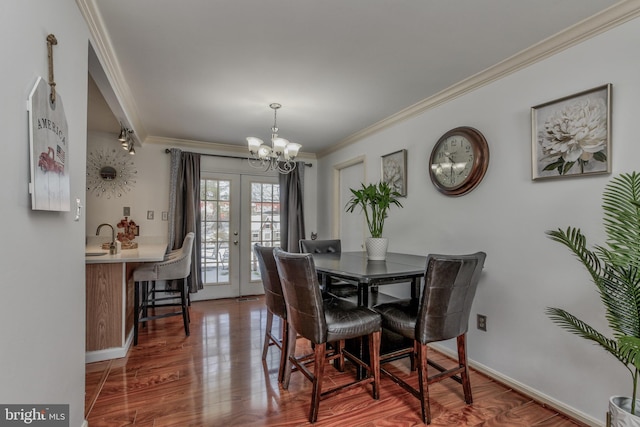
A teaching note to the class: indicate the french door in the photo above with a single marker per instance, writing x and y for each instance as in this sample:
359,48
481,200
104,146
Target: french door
237,211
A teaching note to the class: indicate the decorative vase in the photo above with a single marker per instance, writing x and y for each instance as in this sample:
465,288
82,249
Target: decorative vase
620,412
377,248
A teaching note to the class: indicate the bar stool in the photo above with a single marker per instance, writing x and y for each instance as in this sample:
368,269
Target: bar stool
274,300
339,288
175,266
323,321
441,314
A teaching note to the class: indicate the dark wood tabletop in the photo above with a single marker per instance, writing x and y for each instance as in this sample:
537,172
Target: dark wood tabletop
355,267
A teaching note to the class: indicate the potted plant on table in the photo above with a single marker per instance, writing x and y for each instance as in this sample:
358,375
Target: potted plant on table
374,200
615,270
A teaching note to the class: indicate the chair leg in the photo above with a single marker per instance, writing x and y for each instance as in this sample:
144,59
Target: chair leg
423,383
185,308
319,362
412,356
462,360
283,350
339,346
291,351
267,333
374,362
136,311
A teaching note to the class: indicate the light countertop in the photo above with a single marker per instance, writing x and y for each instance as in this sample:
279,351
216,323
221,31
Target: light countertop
148,250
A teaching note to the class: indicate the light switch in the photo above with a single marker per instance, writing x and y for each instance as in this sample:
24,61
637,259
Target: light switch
126,211
149,214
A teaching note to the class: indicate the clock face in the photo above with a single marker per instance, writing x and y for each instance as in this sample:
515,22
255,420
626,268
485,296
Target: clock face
453,161
459,161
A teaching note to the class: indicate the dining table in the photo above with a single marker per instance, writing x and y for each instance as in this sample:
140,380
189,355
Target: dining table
368,275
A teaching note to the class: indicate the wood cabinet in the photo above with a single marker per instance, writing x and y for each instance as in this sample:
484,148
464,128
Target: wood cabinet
109,310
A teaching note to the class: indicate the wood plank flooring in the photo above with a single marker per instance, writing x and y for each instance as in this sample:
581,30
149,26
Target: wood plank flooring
216,377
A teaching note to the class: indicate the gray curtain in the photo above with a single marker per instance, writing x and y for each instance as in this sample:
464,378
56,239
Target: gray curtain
291,208
184,208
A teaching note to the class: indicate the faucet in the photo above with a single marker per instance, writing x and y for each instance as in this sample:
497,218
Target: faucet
112,245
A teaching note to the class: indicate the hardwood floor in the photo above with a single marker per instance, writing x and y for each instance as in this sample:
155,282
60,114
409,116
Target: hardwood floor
216,377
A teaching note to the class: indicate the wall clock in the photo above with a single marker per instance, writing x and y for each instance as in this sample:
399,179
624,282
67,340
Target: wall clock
459,161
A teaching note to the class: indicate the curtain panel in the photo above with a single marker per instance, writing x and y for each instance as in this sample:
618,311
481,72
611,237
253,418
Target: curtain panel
291,208
184,208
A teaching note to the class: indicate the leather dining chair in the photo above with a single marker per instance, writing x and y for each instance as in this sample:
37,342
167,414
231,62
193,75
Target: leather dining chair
175,266
339,288
274,300
441,313
331,320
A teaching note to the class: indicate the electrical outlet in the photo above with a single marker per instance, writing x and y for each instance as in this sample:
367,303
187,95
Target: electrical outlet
482,322
126,211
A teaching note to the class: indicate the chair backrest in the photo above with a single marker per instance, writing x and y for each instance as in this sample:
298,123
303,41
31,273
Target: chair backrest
305,312
320,246
449,289
177,263
273,296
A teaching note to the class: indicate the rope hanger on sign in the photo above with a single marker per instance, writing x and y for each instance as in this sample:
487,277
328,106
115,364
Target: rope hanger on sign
51,41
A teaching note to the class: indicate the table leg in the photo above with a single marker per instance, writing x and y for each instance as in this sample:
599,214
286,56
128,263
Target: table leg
415,287
363,295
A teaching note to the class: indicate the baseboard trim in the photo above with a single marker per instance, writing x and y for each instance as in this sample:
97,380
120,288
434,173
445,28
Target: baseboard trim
525,389
110,353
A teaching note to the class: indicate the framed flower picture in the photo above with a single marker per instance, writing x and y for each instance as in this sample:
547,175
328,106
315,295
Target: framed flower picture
394,171
571,136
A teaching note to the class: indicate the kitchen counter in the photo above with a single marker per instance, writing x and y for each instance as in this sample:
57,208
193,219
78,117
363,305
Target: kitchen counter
109,295
145,252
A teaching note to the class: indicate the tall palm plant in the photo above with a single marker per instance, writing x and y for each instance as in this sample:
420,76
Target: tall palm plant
615,270
375,200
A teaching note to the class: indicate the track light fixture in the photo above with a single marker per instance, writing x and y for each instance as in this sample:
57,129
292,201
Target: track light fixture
126,140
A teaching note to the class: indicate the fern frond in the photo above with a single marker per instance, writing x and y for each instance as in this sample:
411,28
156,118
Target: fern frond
576,326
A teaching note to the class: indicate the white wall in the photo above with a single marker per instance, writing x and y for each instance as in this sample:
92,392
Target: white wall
42,309
150,192
151,189
508,214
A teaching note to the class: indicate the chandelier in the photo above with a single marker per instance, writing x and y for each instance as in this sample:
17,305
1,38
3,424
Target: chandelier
280,156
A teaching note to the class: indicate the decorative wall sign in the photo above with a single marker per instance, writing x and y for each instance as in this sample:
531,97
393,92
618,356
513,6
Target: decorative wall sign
571,136
394,171
110,172
49,147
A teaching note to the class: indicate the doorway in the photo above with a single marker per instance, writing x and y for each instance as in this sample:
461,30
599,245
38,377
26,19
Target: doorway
237,211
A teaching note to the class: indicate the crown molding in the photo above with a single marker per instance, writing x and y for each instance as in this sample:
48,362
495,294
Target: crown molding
103,47
609,18
615,15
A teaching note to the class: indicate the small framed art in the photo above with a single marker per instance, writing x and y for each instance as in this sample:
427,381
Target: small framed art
394,171
571,136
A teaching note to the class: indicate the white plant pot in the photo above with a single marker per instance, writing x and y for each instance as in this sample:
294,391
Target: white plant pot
377,248
620,411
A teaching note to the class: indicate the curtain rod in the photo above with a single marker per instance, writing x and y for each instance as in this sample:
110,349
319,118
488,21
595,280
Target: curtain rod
228,156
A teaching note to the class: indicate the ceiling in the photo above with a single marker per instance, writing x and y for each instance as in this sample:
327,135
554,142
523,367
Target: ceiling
207,70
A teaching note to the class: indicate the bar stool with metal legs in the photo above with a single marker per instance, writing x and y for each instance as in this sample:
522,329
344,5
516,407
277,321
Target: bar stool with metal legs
175,266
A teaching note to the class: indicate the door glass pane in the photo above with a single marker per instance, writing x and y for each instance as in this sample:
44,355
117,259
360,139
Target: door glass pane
215,214
265,219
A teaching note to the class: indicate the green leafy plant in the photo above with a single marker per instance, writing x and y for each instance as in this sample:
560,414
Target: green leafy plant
375,200
615,270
